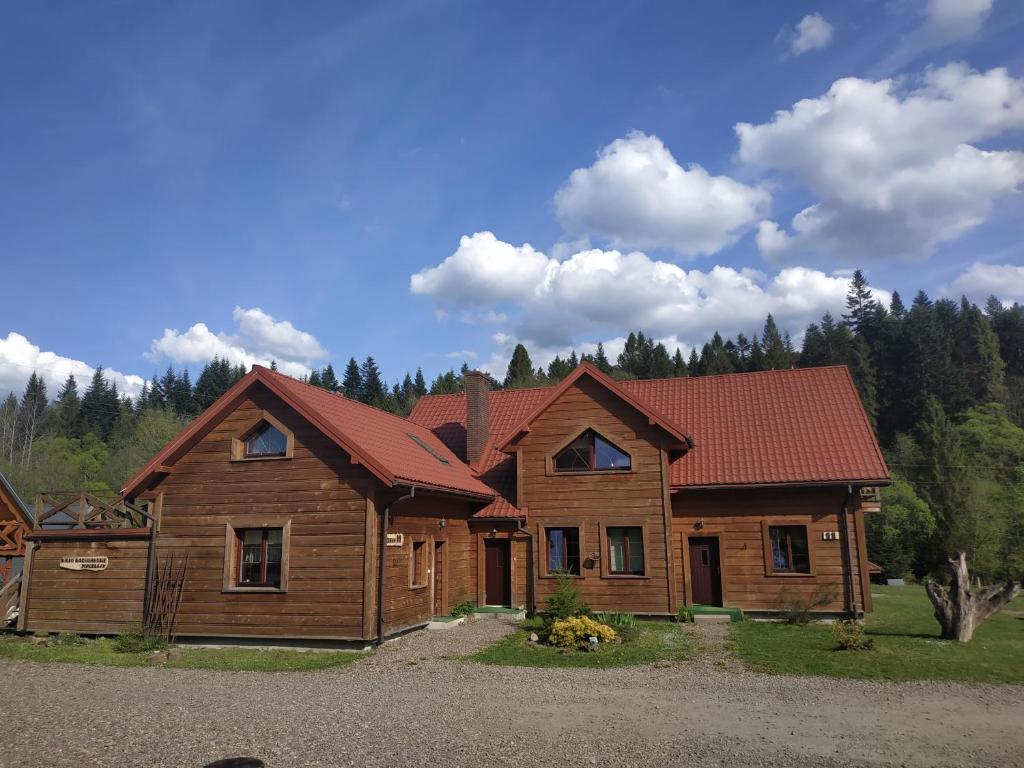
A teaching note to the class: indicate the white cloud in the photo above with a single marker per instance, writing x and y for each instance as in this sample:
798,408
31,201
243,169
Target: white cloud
895,171
482,266
258,340
979,281
812,33
947,21
637,195
595,293
19,358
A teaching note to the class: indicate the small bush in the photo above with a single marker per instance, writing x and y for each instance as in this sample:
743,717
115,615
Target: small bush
138,640
564,601
799,609
850,636
684,615
69,638
464,608
576,632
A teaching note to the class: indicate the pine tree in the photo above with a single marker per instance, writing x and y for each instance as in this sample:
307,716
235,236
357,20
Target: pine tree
520,369
182,399
446,384
420,383
661,363
8,427
352,384
558,369
373,390
101,406
714,359
328,379
601,359
216,378
314,378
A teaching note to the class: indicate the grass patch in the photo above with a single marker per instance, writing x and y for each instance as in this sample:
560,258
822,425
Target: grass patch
652,641
102,651
907,645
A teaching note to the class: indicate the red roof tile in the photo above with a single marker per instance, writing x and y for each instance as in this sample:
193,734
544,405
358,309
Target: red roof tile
800,426
394,449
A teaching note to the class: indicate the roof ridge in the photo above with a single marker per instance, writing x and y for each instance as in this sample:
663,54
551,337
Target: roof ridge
360,403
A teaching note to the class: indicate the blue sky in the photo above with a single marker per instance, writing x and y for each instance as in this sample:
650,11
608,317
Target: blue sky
293,180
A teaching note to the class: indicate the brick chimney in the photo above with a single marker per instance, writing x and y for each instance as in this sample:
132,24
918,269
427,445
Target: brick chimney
478,413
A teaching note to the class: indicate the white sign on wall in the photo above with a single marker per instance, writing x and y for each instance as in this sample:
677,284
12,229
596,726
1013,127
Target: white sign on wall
91,563
396,539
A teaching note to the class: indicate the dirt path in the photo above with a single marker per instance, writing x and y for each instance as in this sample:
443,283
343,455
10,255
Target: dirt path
410,705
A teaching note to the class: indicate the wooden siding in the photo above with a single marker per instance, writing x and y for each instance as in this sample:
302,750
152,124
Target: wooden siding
318,489
736,518
420,520
590,500
99,602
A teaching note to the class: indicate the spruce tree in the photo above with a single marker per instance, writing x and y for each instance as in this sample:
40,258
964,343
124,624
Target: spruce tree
865,313
420,383
601,359
314,378
69,409
693,366
373,391
661,363
31,415
352,384
678,364
100,406
329,380
214,380
977,356
520,369
777,355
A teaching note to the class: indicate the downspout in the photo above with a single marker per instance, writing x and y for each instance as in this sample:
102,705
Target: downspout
385,522
150,570
534,565
851,594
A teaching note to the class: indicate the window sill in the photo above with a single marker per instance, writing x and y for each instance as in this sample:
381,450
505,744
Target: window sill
553,576
590,472
789,575
424,585
625,576
256,590
259,458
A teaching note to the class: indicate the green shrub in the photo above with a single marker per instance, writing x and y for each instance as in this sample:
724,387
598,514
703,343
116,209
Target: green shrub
464,608
850,636
138,640
564,601
69,638
684,615
576,632
617,619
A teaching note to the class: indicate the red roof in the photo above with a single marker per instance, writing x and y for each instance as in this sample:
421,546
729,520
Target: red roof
394,449
800,426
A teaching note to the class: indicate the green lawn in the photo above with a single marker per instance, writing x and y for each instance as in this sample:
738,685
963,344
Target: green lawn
907,645
101,651
655,641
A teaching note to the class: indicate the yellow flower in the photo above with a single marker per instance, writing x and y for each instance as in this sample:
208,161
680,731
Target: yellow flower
576,631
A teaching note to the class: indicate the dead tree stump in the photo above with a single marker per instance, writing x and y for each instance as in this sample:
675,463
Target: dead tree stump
960,609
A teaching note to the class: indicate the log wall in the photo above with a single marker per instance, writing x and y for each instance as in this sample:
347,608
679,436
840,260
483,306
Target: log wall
87,602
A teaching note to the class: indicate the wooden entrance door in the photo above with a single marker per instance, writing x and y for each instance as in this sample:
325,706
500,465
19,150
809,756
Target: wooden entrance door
497,580
705,571
440,609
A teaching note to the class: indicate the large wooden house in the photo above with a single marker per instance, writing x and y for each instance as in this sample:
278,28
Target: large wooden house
307,515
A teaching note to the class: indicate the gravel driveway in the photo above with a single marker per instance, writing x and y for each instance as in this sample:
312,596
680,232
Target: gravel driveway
410,705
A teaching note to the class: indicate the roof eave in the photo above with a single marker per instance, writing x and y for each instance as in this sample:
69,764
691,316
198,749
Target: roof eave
866,482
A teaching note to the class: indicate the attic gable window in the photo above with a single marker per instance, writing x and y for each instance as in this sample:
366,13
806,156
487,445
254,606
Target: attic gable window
265,442
590,453
267,438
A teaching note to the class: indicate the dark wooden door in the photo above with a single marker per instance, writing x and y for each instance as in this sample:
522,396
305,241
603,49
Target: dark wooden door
705,571
496,572
439,606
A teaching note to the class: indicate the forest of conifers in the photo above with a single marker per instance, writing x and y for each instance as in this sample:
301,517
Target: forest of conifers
942,381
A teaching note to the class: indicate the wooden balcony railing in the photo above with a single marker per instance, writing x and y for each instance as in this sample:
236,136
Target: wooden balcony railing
81,510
